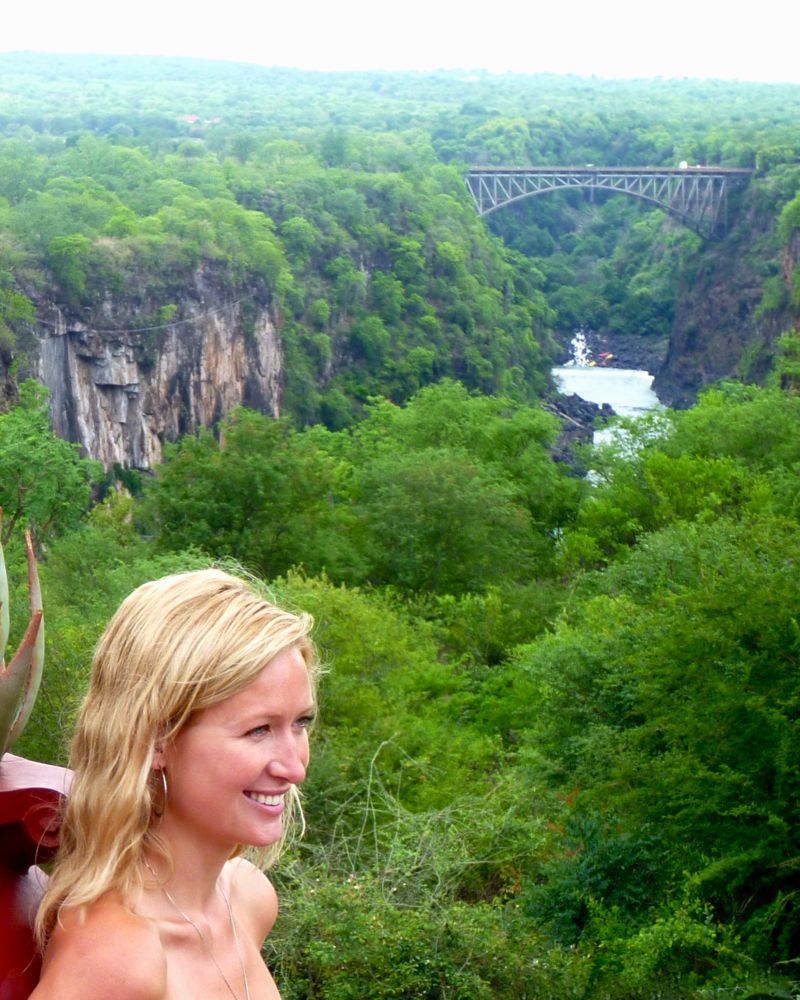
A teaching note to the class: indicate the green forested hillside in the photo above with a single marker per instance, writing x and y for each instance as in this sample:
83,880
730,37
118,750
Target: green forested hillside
338,199
558,737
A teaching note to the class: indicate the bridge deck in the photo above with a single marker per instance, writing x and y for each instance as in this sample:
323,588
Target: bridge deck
591,169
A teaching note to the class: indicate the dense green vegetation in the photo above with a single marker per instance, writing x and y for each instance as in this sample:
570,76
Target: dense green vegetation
528,784
558,748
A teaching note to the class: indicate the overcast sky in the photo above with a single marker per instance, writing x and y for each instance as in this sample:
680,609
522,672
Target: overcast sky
618,38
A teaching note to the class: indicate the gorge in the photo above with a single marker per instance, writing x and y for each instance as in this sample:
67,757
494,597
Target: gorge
158,270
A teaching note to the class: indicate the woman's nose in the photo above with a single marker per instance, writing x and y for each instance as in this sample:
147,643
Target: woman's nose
290,759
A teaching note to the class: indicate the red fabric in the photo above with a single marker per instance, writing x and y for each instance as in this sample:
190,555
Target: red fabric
31,795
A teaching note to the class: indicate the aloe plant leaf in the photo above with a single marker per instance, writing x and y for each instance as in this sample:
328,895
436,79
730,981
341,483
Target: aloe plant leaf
15,680
36,667
5,622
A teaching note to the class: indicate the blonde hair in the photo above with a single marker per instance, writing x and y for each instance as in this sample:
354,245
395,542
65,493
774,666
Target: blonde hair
174,647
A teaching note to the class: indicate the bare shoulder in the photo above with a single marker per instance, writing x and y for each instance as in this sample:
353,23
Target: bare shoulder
106,951
253,897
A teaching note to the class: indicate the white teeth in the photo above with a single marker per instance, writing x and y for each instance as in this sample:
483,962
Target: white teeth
265,800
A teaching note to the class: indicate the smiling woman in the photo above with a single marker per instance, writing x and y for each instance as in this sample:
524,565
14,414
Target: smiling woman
190,744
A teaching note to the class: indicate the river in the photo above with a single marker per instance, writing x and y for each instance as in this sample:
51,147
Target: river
629,392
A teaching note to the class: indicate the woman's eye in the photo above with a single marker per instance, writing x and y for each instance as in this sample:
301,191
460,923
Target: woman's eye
259,731
305,721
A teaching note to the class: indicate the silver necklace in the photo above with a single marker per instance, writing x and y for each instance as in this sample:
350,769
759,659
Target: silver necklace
207,945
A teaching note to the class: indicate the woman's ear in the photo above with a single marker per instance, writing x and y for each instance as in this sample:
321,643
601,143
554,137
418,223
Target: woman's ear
158,760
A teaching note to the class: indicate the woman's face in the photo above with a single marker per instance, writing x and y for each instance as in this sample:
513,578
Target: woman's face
230,770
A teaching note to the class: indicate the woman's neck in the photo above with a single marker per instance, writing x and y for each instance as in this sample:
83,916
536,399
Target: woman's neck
192,879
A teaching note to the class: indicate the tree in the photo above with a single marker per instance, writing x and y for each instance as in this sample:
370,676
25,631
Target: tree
669,697
44,482
512,441
262,493
438,521
15,308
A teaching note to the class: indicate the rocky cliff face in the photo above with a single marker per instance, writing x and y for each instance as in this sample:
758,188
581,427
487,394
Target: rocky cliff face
790,264
713,327
122,393
719,331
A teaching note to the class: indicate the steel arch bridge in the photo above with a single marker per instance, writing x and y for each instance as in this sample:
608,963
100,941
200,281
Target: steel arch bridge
695,195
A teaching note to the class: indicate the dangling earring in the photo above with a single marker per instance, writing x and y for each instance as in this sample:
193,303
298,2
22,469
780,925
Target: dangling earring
159,813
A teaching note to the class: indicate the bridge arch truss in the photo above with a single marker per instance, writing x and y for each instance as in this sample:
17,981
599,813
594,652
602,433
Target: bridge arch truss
695,195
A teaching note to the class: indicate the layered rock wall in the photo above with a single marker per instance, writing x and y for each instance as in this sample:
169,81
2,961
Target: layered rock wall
121,395
790,265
